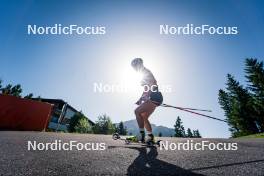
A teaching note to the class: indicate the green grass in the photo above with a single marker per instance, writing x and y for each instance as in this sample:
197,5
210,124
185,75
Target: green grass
259,135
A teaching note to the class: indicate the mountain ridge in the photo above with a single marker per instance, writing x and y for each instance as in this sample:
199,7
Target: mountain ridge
132,129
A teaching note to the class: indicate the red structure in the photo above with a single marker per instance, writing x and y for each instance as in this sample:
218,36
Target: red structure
23,114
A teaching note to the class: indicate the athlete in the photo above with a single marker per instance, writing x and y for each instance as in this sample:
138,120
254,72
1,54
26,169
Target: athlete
149,100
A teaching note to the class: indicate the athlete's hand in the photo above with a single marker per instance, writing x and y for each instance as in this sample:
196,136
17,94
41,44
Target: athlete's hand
138,102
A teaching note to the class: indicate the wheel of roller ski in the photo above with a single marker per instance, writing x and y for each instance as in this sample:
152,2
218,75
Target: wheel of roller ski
115,136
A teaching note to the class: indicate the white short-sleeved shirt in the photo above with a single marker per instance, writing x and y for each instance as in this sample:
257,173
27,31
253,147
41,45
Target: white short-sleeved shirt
148,78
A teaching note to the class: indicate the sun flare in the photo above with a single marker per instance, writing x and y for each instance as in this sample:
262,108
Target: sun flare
130,79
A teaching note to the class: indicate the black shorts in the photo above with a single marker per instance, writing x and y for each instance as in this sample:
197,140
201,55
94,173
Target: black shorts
156,98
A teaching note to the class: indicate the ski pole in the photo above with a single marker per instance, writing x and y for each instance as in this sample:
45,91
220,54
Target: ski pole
187,110
192,109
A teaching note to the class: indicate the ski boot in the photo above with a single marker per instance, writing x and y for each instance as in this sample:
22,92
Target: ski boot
150,139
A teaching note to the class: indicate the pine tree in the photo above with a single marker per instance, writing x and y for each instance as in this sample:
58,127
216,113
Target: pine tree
160,134
29,96
16,90
12,90
104,125
237,104
196,134
179,129
121,129
189,133
255,78
183,131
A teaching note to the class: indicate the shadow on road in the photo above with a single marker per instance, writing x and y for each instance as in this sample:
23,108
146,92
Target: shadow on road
226,165
147,163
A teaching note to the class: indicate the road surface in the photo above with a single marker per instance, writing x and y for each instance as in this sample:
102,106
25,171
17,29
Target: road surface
116,158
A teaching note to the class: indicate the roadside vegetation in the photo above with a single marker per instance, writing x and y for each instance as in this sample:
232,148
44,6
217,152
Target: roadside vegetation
180,130
79,124
259,135
14,90
244,104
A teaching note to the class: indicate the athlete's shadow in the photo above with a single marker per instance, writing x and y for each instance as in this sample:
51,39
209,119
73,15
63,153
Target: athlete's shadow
147,164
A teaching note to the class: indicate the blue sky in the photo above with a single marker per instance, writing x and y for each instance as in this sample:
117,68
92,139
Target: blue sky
66,67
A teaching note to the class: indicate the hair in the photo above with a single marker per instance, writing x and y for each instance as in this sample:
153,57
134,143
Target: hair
136,62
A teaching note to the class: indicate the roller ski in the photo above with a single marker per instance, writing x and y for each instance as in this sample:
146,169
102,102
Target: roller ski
149,141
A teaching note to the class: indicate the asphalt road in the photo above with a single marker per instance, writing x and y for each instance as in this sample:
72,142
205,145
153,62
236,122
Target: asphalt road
121,159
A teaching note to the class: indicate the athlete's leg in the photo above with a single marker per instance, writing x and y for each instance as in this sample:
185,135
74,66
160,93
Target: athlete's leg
140,122
149,108
139,118
142,113
145,110
147,125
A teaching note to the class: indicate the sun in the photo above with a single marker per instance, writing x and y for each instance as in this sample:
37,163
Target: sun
129,78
